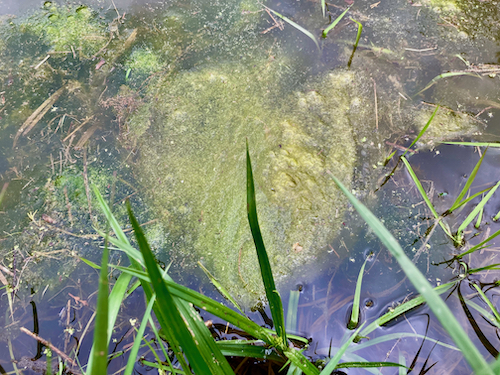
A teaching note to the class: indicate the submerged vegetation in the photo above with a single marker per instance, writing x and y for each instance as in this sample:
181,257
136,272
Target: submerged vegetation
183,89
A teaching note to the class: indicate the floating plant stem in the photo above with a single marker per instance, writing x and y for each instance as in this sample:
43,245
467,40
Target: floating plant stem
446,75
436,304
478,144
297,26
334,23
424,129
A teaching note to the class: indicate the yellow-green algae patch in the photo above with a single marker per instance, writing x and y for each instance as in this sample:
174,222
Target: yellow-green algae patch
191,141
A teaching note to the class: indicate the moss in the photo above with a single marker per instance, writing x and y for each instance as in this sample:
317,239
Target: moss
192,163
66,29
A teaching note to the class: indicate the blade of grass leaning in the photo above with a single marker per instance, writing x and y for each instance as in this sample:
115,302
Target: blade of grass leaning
291,315
241,348
334,23
421,189
2,193
468,183
479,246
401,309
358,35
132,359
479,219
265,267
474,213
323,7
162,346
465,201
436,304
422,132
99,352
475,144
178,330
488,302
368,365
497,216
332,364
446,75
354,321
395,337
220,288
355,46
297,26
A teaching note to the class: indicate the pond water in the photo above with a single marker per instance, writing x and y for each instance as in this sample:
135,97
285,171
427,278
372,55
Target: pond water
152,102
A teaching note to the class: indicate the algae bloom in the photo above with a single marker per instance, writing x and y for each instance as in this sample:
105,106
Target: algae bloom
191,140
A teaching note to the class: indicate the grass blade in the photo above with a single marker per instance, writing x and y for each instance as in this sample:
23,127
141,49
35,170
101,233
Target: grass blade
99,354
297,26
332,364
488,302
132,359
177,332
445,75
291,315
323,7
474,213
220,288
354,321
437,305
479,246
422,131
334,23
265,267
355,46
478,144
468,183
425,197
401,309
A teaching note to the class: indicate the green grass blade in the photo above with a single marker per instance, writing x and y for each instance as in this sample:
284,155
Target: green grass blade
474,213
99,352
300,361
177,332
220,288
291,315
354,321
465,201
479,219
488,302
334,23
478,144
241,348
323,7
358,35
265,267
468,183
369,364
421,189
401,309
2,193
424,129
213,307
297,26
446,75
479,246
332,364
436,304
132,359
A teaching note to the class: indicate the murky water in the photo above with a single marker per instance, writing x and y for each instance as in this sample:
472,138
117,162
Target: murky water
91,134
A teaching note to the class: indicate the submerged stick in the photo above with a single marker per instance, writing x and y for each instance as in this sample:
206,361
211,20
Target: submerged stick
49,345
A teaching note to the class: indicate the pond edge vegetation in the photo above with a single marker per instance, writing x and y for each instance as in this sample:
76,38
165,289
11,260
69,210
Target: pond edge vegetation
191,341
